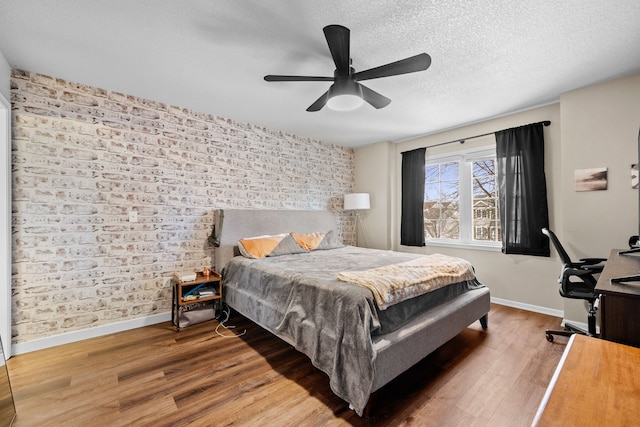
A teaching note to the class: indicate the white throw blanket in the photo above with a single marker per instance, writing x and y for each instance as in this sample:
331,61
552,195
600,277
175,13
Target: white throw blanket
394,283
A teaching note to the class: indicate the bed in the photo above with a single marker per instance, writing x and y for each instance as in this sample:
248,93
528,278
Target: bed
338,325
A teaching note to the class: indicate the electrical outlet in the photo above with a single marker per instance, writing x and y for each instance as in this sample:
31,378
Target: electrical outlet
133,216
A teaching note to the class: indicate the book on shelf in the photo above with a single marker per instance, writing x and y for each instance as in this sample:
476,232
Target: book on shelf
208,292
187,277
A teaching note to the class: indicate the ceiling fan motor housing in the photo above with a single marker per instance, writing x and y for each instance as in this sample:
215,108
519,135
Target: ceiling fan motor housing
345,93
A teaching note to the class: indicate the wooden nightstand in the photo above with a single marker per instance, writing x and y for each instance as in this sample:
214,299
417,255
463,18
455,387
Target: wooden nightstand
203,289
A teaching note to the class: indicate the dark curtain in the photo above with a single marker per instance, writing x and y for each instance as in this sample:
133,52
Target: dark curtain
522,190
412,218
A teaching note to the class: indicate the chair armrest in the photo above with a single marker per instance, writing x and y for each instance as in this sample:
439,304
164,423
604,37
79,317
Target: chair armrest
594,265
592,261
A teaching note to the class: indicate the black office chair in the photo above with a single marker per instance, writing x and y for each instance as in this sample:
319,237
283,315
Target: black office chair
577,281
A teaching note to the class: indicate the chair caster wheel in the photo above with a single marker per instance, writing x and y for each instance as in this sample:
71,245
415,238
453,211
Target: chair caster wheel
549,337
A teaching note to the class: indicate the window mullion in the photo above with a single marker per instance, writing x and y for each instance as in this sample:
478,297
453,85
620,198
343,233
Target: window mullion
465,201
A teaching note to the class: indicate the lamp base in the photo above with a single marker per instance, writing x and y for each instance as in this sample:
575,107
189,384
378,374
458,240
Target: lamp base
364,237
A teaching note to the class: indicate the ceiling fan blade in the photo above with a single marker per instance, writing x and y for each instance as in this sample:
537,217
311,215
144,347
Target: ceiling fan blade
320,102
338,40
408,65
275,78
374,98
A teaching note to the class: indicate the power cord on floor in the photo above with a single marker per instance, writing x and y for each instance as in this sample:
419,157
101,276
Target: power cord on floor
226,311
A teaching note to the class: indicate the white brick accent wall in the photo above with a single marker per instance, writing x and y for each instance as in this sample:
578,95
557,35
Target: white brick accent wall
84,158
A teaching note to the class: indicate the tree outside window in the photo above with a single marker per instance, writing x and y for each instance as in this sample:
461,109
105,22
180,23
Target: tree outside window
442,200
486,218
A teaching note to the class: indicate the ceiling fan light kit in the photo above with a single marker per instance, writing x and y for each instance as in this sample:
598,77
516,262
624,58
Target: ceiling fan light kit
345,95
346,92
345,102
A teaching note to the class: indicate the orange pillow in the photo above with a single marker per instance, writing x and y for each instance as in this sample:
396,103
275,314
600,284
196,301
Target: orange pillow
317,241
308,241
263,246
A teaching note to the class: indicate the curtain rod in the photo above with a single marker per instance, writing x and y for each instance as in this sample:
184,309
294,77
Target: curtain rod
462,140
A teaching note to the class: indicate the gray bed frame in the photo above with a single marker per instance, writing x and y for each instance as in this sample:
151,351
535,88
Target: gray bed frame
396,351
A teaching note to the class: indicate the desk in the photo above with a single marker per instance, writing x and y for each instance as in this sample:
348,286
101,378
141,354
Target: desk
620,302
596,383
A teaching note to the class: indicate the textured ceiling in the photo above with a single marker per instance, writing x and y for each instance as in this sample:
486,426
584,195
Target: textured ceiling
489,58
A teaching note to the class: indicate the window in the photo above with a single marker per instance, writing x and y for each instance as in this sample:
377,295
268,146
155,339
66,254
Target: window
442,200
461,200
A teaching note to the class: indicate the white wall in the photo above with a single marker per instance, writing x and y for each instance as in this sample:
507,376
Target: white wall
5,202
590,127
376,222
5,76
599,129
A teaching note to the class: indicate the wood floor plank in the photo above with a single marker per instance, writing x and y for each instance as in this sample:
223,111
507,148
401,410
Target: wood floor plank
154,376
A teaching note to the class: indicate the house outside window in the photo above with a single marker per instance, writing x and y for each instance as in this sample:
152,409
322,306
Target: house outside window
461,200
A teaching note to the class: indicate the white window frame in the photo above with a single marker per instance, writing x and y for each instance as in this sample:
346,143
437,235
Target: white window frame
465,157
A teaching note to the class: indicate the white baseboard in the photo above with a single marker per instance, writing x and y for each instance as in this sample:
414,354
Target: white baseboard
541,310
581,325
528,307
98,331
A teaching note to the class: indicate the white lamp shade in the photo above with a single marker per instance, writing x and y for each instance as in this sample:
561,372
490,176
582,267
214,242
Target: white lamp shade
356,201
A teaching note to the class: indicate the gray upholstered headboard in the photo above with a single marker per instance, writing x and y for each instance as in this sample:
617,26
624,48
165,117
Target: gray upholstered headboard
241,223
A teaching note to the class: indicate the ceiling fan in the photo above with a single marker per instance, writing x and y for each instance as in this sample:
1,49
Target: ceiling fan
346,92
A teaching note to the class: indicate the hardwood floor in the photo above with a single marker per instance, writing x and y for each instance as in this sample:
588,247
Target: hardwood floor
153,376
